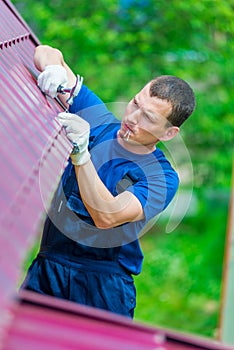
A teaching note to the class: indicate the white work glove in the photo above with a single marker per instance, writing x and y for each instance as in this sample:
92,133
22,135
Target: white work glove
50,79
77,131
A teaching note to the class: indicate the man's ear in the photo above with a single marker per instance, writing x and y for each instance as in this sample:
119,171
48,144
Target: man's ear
170,133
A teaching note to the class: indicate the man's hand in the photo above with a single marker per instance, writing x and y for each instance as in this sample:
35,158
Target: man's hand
50,79
77,131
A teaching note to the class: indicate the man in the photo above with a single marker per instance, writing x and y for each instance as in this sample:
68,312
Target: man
115,182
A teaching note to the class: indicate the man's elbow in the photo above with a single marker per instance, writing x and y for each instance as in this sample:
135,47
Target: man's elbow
109,220
43,54
105,222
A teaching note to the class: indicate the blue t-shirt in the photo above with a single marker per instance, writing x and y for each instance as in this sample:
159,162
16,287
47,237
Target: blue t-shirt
149,177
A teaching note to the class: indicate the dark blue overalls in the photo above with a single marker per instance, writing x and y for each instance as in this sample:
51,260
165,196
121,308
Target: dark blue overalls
87,275
73,263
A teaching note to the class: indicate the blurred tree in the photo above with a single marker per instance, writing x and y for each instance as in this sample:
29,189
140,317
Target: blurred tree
119,45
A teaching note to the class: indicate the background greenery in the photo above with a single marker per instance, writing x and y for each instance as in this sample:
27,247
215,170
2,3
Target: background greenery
118,46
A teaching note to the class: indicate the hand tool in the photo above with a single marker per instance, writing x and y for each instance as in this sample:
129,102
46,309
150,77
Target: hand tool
74,91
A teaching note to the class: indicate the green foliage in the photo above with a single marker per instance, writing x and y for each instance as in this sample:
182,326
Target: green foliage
180,284
119,45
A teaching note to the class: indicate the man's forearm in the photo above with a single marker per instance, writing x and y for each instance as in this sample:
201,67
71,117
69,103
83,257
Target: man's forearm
105,209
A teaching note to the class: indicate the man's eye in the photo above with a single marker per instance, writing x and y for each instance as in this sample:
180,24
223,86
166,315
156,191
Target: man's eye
148,117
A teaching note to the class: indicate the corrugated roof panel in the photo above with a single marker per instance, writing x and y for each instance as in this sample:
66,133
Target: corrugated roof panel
65,325
33,149
10,29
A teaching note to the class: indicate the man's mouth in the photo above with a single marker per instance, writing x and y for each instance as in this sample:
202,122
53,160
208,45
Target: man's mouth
127,127
127,135
128,132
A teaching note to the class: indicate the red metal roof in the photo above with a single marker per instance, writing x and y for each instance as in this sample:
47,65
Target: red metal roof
55,324
33,156
33,150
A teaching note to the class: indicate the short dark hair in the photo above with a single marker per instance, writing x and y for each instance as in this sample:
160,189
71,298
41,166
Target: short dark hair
178,93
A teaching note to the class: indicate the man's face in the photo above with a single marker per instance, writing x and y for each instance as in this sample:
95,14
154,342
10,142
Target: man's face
145,120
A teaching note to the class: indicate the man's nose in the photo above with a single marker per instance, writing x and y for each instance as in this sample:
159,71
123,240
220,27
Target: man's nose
133,118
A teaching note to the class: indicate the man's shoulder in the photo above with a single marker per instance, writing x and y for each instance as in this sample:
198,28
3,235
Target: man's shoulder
163,160
103,132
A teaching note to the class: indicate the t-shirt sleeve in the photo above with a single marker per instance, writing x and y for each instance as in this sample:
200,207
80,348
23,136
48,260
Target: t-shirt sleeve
91,108
156,192
85,99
